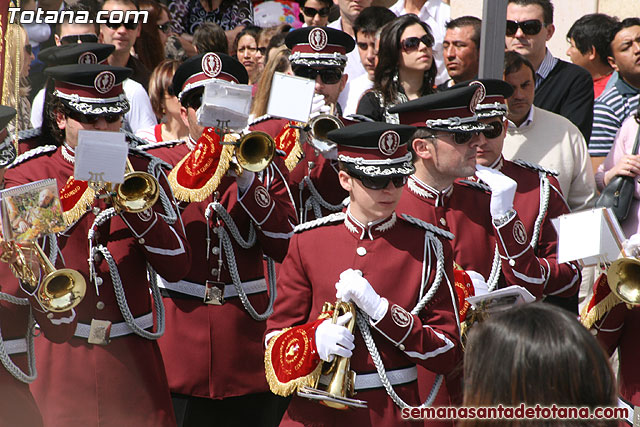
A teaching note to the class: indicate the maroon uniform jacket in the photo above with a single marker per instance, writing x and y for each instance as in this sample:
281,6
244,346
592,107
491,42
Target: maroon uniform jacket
562,279
391,255
122,382
225,356
322,173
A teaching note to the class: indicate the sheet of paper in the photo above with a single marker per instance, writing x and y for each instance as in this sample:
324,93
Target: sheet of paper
291,97
225,105
502,299
101,156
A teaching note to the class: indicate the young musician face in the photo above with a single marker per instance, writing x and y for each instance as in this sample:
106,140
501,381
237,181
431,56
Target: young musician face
443,159
368,205
73,122
190,103
489,149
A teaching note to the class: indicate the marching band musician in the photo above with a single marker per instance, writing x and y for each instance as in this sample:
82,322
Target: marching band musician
110,370
320,54
538,197
397,272
17,405
218,311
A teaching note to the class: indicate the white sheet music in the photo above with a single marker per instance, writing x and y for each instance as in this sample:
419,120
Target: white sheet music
100,156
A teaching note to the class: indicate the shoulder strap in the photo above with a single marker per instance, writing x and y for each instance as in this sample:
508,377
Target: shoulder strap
635,145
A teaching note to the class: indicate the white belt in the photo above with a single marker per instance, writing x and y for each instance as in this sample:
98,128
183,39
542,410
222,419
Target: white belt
369,381
117,329
198,290
19,345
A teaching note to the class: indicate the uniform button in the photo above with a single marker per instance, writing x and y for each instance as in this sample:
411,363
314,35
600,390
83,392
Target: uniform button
512,262
98,281
401,347
50,316
361,251
96,211
215,250
215,229
214,271
311,165
99,305
97,257
443,222
141,240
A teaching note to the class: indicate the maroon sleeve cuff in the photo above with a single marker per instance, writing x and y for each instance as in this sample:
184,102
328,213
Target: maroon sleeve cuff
257,202
395,325
512,237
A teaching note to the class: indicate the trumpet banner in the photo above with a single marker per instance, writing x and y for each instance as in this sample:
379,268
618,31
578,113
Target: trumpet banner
602,301
199,173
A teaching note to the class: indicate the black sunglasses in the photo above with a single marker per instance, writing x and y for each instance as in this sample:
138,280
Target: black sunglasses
127,25
329,76
165,28
494,132
412,43
458,137
79,38
193,100
92,119
381,182
311,12
530,27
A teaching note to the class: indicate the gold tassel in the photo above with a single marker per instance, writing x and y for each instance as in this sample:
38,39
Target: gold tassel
294,156
288,388
186,194
599,310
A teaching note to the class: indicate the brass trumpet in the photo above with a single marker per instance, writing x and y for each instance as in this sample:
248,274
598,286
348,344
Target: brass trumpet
137,193
59,290
254,151
320,126
623,277
339,390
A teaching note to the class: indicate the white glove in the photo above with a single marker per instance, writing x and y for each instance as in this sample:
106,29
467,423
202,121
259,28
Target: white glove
334,339
353,287
480,286
632,245
244,180
503,190
318,106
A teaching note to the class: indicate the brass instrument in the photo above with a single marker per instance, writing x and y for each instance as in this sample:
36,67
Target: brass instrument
137,193
59,290
623,277
320,126
338,391
254,151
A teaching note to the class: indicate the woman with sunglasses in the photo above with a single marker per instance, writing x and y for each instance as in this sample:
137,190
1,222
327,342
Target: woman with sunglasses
316,13
405,71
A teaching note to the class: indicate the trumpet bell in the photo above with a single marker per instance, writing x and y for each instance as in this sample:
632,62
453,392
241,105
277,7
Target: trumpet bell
255,151
62,289
137,193
624,279
320,126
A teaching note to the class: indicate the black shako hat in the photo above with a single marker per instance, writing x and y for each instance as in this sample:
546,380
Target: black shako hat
319,47
198,70
452,110
76,53
91,88
374,148
494,103
7,147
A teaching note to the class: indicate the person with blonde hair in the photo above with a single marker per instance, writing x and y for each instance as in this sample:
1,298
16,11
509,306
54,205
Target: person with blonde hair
278,62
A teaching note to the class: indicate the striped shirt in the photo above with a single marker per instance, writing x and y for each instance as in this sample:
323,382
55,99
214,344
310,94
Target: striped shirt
609,111
545,67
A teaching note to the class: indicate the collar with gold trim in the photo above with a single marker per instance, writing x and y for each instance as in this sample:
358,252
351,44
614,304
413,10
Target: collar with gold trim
371,230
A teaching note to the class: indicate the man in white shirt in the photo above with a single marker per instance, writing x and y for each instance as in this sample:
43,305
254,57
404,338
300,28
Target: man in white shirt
435,13
349,11
140,115
367,28
548,139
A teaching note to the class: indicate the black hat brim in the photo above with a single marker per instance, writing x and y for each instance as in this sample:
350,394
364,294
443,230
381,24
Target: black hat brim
373,171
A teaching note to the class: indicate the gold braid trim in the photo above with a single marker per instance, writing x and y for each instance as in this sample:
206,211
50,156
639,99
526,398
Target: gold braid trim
294,156
288,388
85,203
599,310
199,194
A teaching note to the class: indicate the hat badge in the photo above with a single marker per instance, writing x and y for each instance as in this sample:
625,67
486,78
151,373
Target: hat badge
104,81
478,96
211,64
389,142
318,39
88,58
